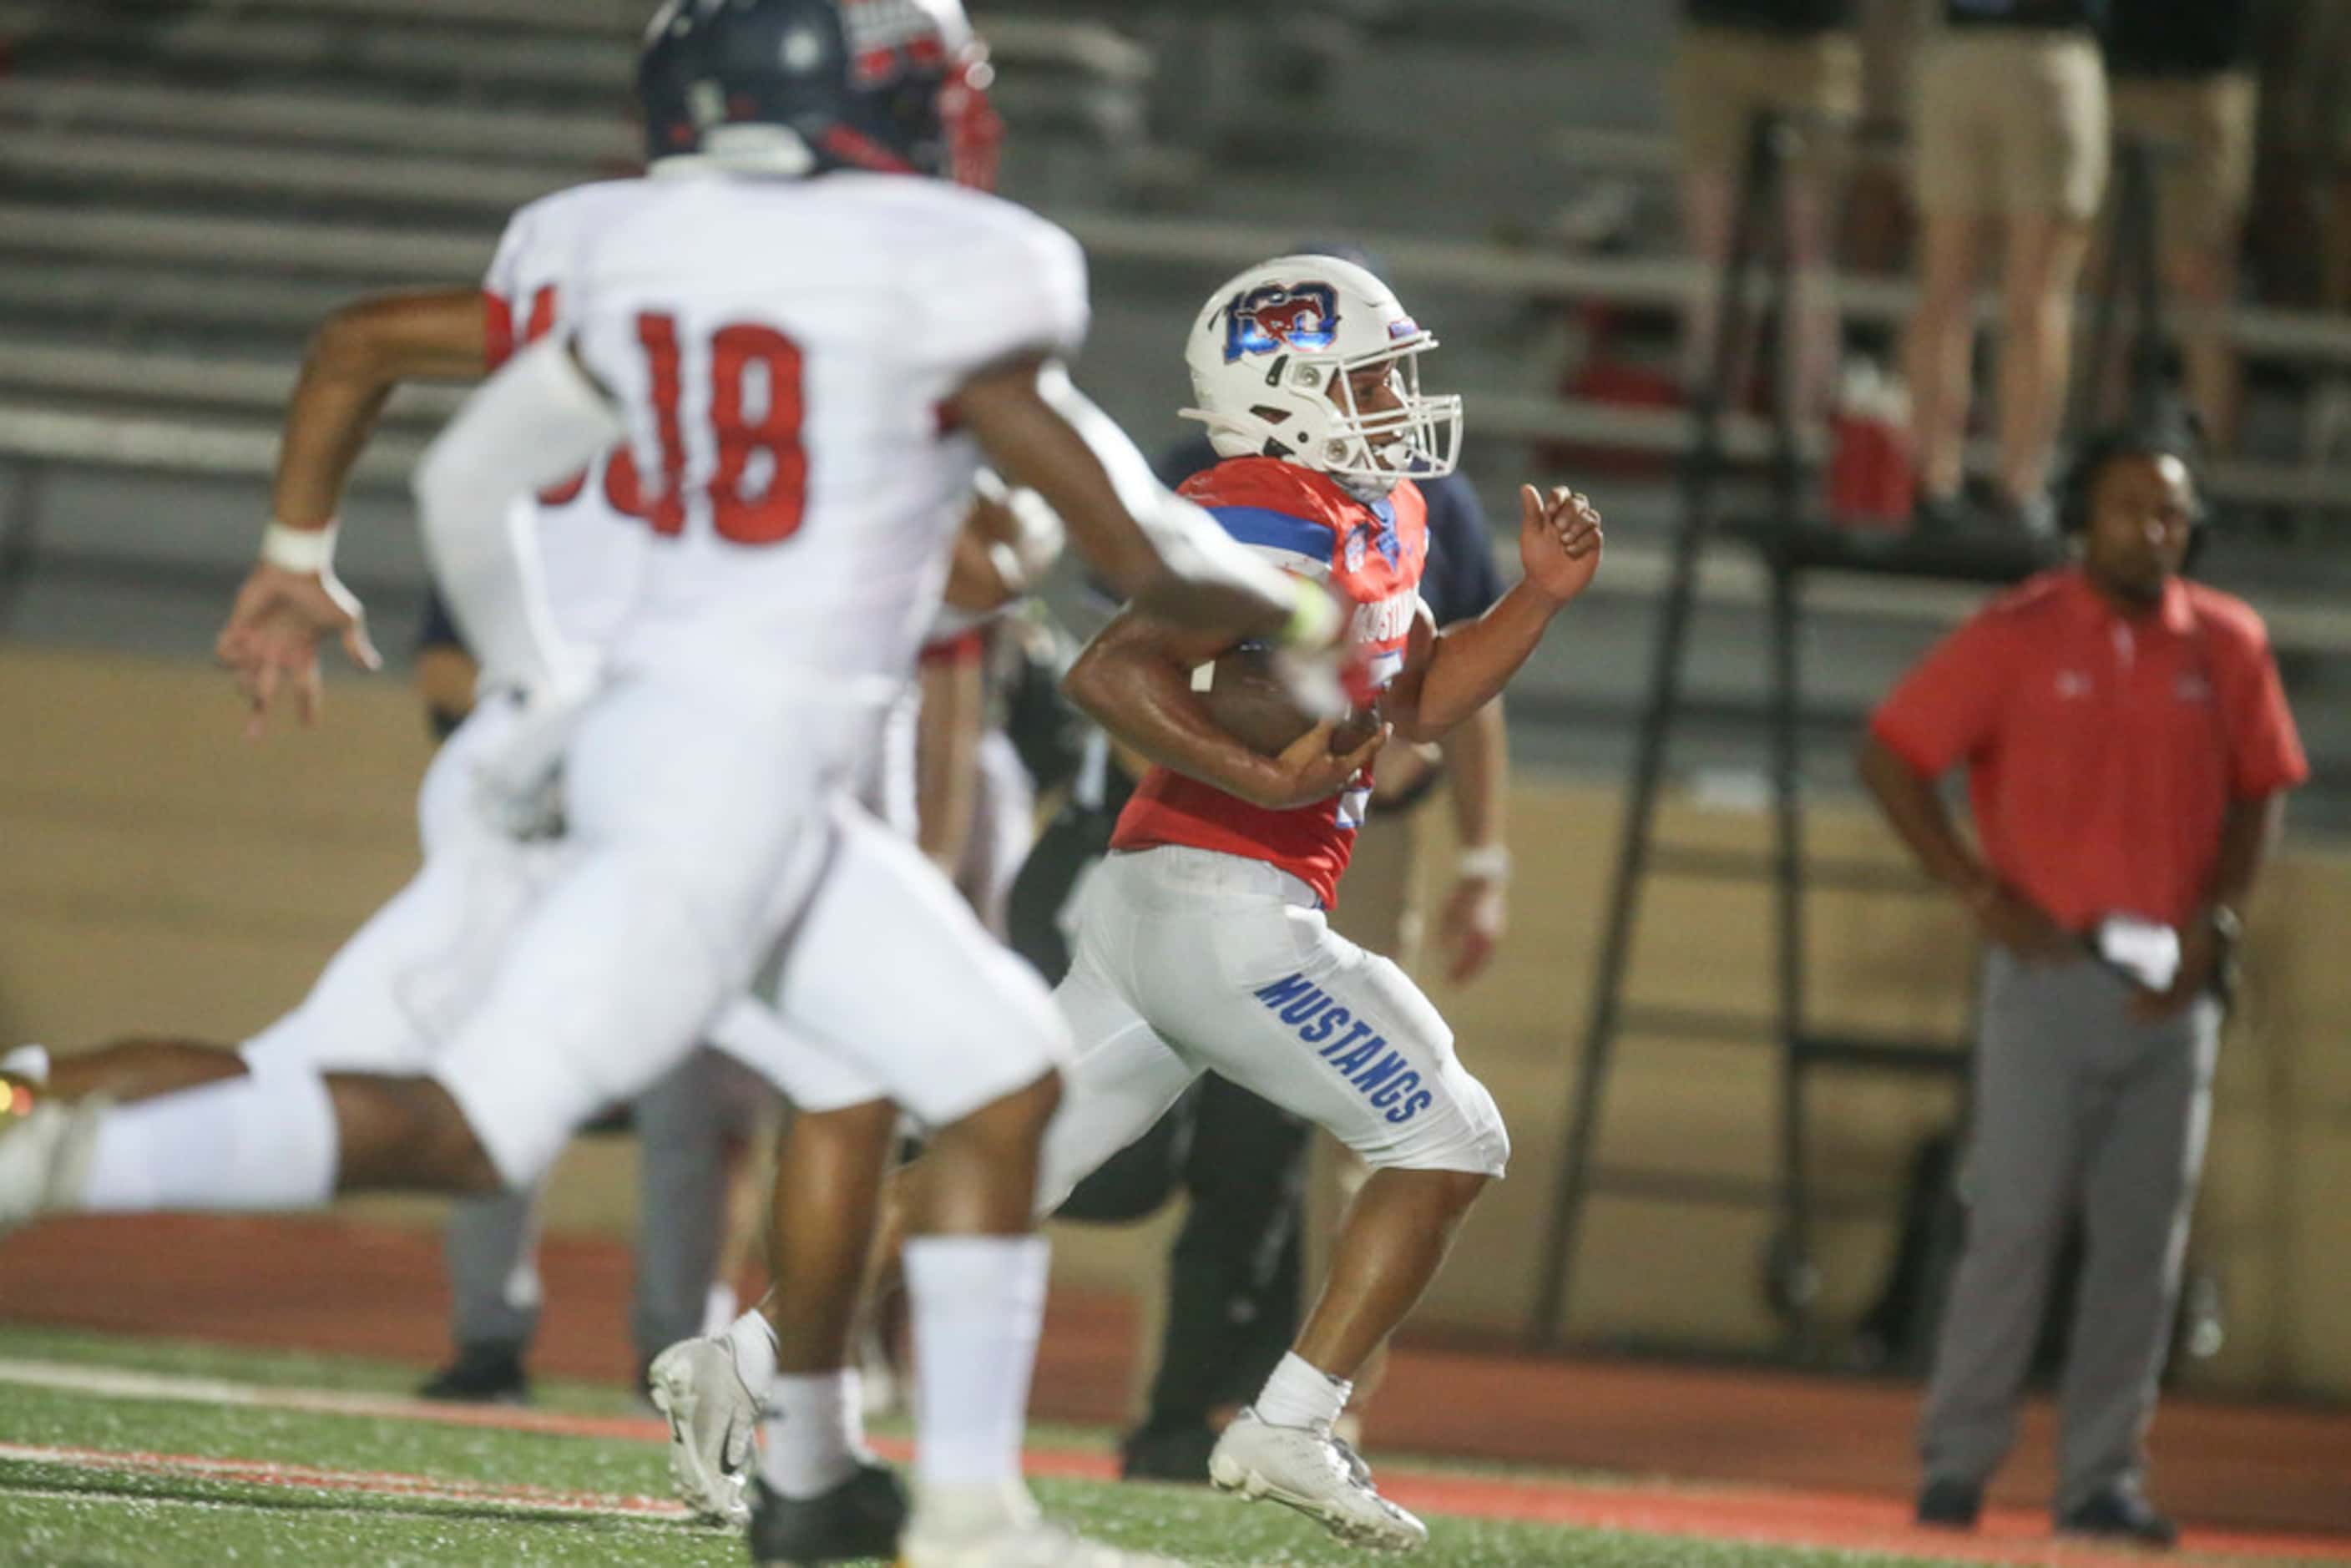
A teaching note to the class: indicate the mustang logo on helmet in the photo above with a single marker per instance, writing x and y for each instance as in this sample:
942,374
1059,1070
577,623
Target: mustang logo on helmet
1302,316
1276,354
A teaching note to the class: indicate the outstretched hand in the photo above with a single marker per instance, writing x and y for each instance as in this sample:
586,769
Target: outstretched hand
1559,541
271,640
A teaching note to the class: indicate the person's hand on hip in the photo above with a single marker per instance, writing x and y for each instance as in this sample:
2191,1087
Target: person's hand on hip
2200,966
2022,927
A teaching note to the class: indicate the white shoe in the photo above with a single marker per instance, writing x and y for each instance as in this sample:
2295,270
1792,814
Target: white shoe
44,1157
1035,1544
714,1425
27,1064
1307,1468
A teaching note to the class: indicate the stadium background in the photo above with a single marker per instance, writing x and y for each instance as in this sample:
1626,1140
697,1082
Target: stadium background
185,188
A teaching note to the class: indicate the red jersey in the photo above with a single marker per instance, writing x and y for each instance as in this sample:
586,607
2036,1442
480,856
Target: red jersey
1371,553
2102,749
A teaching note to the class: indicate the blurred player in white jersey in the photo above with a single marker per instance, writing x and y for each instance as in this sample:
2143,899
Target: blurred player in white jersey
808,346
404,976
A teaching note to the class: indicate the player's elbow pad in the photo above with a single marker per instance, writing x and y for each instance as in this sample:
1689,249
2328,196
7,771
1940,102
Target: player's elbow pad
536,420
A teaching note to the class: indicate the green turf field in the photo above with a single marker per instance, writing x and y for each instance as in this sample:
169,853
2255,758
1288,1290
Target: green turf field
120,1477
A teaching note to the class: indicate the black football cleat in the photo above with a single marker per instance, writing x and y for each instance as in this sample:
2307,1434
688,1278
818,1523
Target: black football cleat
2118,1513
485,1373
1949,1505
1176,1451
861,1518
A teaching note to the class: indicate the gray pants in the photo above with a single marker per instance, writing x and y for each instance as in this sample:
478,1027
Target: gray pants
2078,1109
491,1243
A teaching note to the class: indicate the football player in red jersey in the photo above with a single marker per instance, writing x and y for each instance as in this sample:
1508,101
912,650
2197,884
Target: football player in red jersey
1203,942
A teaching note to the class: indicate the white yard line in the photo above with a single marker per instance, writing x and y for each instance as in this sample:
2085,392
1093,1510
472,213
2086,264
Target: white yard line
522,1499
117,1383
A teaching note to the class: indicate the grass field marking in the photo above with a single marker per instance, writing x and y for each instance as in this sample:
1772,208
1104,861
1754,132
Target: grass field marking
358,1513
116,1383
1753,1515
366,1483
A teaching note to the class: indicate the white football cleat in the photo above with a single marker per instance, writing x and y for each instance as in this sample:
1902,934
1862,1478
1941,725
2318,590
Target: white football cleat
45,1152
714,1425
1307,1468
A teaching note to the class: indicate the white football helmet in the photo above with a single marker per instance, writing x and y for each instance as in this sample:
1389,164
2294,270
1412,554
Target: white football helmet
1272,358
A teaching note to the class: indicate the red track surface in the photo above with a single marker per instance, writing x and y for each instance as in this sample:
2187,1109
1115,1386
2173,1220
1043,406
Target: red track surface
1778,1458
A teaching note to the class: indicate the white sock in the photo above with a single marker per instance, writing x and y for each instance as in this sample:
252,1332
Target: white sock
1299,1394
718,1309
815,1432
262,1140
754,1342
978,1306
29,1063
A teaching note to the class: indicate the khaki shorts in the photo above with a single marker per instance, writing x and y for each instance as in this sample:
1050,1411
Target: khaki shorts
2310,88
2202,132
1721,76
2012,122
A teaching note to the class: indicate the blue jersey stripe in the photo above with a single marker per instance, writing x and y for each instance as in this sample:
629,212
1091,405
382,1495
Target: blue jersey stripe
1278,530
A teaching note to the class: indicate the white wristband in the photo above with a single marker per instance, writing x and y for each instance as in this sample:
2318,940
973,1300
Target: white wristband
1486,863
310,552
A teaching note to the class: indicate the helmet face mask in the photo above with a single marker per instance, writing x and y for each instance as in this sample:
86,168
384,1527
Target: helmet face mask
1278,357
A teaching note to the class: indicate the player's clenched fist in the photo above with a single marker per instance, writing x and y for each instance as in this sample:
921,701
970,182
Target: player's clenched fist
1559,541
1309,770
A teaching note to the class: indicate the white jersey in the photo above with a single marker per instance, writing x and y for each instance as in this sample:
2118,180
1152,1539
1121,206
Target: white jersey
784,350
592,530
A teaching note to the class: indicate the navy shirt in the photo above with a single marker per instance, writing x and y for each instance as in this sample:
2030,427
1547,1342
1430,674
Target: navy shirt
1791,17
438,629
1460,581
2024,13
2179,37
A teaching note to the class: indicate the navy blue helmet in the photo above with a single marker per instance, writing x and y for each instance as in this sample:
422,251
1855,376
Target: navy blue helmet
891,86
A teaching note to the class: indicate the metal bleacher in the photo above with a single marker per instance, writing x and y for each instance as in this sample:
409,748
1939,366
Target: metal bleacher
186,186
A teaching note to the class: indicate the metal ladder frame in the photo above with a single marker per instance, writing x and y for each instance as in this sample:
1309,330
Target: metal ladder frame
1791,1278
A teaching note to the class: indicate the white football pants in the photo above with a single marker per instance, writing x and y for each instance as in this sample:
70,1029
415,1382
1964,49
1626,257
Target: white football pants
1190,961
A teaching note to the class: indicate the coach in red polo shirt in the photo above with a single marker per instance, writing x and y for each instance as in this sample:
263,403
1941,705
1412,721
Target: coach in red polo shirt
2129,750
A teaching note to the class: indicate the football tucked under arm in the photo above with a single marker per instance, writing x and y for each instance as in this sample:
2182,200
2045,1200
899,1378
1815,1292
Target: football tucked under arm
1134,679
1244,696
